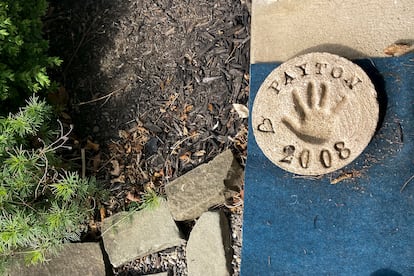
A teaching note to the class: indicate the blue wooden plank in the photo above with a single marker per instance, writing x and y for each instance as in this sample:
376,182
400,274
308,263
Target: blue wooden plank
360,226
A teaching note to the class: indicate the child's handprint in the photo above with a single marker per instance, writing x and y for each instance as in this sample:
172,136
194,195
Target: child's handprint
316,114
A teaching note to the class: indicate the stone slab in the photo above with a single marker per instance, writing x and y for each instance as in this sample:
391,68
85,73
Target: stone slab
353,29
208,248
75,259
206,186
128,236
362,225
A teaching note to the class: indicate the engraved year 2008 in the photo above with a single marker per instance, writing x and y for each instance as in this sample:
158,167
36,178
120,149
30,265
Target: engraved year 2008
325,155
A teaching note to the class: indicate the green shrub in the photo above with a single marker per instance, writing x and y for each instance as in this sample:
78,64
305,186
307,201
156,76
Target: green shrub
41,205
23,51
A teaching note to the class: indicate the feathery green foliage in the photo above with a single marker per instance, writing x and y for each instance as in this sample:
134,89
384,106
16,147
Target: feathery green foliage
150,199
41,205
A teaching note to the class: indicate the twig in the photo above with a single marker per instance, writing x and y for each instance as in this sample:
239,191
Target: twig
44,174
23,203
79,45
175,146
310,177
234,205
106,97
59,143
130,213
406,183
178,143
94,204
83,163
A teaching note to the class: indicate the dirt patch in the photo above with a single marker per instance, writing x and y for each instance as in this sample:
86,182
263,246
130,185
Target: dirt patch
172,68
153,83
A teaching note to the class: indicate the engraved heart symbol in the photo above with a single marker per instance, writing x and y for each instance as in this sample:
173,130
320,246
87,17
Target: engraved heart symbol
266,126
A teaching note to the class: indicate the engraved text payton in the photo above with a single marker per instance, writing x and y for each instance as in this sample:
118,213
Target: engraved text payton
317,68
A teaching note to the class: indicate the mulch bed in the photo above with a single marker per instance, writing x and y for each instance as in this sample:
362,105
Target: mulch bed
150,87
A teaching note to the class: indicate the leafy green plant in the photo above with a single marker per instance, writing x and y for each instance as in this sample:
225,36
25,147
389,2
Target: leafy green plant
41,204
23,51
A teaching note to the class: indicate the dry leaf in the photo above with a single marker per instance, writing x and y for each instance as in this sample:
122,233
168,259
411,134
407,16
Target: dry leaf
194,134
185,131
186,157
119,179
128,148
96,162
183,117
159,174
115,148
170,31
91,145
65,115
242,110
60,97
398,49
188,108
102,213
116,170
199,153
210,107
137,148
210,79
123,134
345,176
131,197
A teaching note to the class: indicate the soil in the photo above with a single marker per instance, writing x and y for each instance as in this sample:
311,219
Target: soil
150,87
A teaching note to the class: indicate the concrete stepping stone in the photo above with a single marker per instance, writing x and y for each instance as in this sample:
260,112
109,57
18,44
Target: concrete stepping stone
203,187
128,236
208,248
74,259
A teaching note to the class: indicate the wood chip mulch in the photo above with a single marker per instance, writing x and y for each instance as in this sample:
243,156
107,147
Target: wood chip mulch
152,84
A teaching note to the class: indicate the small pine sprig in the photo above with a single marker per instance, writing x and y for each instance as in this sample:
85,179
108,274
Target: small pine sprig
150,199
41,206
70,185
27,121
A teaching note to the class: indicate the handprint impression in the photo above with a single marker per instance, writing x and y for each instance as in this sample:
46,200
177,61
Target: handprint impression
317,116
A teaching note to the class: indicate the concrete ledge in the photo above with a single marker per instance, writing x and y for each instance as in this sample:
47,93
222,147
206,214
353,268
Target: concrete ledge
353,29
